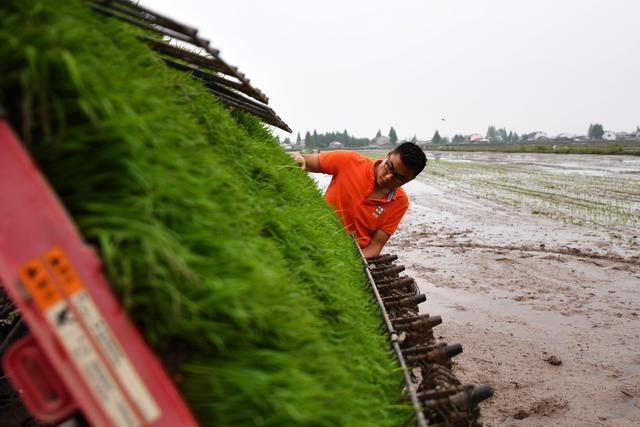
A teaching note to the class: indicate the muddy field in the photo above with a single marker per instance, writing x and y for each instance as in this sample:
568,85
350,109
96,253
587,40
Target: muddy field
546,304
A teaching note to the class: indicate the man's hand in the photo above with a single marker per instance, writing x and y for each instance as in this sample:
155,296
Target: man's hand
299,159
378,241
307,162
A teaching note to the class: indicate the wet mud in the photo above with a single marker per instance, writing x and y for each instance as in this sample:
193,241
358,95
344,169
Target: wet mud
548,312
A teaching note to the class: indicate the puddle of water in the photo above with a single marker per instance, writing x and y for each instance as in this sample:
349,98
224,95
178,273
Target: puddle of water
322,180
630,371
626,409
419,188
588,165
481,308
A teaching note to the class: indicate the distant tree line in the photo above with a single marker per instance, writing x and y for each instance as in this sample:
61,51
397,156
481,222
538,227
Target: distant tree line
322,140
596,131
501,135
393,136
493,135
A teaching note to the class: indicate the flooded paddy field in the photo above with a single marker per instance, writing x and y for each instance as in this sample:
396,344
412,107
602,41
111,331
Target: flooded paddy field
533,261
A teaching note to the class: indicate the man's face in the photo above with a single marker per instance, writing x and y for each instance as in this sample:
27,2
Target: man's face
392,173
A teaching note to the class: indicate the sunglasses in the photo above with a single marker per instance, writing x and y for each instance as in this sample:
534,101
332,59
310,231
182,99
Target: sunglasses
392,170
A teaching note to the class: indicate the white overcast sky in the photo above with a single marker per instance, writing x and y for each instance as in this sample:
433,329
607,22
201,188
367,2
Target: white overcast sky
550,65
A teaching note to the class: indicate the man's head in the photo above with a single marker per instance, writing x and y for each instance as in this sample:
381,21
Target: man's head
401,165
412,157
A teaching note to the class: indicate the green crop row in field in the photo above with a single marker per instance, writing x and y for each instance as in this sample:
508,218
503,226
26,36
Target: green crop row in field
606,201
223,252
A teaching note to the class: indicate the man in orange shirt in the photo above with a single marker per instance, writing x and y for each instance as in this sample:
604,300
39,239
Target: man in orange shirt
366,194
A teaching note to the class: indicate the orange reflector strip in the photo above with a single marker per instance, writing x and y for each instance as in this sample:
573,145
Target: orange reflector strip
39,284
63,271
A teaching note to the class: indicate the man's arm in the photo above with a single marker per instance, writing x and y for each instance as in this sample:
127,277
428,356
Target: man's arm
377,243
308,162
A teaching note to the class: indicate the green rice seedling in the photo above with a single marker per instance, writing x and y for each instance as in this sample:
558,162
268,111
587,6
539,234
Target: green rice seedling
227,258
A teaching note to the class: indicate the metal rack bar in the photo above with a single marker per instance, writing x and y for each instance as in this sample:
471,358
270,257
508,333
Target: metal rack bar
393,337
207,66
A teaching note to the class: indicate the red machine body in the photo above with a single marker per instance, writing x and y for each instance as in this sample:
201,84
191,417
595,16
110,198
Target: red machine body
82,352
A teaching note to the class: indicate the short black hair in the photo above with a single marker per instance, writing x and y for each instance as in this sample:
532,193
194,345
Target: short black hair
412,156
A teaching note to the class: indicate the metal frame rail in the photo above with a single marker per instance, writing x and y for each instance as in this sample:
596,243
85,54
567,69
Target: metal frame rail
181,48
436,394
393,338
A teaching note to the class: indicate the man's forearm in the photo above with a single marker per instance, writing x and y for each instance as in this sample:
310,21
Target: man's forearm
378,241
311,162
307,162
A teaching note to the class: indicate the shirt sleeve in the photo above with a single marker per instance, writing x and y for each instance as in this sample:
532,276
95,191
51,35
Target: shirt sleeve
391,224
332,161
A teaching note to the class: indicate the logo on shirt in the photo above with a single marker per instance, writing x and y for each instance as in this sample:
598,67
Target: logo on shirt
378,211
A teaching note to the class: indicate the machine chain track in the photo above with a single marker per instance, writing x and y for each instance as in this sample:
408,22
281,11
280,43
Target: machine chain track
441,398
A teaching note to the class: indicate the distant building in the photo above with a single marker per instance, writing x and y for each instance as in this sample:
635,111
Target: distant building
381,140
565,136
336,145
475,138
537,136
609,135
285,146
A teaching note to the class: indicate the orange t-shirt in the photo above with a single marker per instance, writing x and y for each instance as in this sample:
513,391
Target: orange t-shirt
350,186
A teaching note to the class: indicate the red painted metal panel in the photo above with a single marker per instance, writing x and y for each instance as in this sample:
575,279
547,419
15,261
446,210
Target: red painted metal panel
56,281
